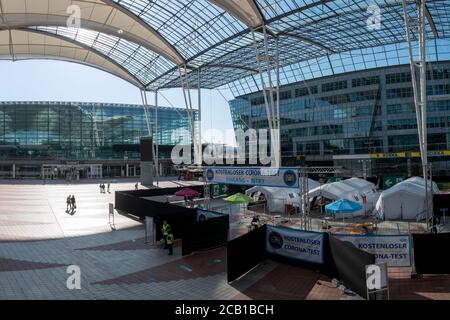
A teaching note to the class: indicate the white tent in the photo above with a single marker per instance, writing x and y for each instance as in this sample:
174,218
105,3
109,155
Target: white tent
421,181
277,198
365,189
355,189
405,201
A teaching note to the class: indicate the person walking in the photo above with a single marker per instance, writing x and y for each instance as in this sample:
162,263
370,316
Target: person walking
74,203
136,186
101,191
109,185
68,204
169,241
165,231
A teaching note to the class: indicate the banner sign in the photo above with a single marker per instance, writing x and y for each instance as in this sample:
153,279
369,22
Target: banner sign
269,177
393,250
389,182
295,244
219,190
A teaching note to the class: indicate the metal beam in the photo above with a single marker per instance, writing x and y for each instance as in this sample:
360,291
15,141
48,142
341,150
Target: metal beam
245,11
229,66
306,40
430,20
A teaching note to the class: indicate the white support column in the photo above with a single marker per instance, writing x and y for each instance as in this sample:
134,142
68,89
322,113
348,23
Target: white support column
267,62
420,88
199,159
184,79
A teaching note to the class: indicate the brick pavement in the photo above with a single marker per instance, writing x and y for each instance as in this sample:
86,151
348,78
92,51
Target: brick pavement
38,240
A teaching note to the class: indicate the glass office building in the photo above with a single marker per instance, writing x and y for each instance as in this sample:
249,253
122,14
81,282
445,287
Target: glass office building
363,121
39,136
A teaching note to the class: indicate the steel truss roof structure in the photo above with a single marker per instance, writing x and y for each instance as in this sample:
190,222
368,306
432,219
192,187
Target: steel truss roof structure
146,41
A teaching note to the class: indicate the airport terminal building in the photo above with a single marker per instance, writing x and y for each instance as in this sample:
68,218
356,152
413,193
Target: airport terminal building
364,120
84,140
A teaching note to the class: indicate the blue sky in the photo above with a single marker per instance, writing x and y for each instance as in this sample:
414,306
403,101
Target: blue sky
48,80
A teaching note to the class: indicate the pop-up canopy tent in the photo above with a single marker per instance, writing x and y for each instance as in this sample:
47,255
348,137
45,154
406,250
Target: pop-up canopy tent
344,208
277,198
355,189
405,201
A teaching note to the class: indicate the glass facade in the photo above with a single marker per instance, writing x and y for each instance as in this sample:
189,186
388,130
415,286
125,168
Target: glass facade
86,131
365,113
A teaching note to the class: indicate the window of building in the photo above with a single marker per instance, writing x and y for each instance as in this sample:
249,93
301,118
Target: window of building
399,93
333,86
403,143
438,74
301,92
365,81
398,77
400,108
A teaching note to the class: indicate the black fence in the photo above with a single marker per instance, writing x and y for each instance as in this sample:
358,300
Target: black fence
206,234
340,260
196,235
180,218
441,205
349,264
430,253
245,253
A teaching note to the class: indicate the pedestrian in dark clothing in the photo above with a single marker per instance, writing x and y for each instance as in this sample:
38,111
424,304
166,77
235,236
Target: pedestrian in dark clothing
68,204
109,185
136,186
101,191
73,202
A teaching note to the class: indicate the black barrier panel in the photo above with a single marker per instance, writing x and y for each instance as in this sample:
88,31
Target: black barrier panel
207,234
350,264
430,253
131,204
328,267
245,253
441,205
180,218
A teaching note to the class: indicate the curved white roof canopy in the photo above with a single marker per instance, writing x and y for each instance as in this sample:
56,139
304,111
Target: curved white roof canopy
316,38
28,44
244,10
101,15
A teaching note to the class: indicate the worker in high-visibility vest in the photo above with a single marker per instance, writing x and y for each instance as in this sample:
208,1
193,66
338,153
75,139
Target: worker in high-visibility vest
165,231
169,241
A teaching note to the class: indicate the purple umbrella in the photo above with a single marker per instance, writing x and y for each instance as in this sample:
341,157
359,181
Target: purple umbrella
186,192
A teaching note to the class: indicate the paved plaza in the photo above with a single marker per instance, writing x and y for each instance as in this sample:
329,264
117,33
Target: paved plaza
39,241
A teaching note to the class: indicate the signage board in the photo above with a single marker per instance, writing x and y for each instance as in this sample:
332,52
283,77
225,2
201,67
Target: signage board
295,244
269,177
393,250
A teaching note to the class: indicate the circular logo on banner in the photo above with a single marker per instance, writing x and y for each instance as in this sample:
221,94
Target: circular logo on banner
275,240
210,174
290,178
